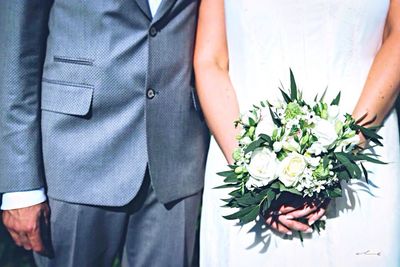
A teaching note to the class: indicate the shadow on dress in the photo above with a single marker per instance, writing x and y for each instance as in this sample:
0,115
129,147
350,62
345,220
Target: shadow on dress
349,201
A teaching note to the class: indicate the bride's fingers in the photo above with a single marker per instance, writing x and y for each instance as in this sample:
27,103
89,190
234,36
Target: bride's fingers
300,213
274,223
295,225
286,209
316,216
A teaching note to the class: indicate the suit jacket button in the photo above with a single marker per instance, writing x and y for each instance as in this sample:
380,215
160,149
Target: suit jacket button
151,94
153,31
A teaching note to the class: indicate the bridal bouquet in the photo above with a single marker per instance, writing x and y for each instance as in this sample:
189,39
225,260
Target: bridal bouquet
296,148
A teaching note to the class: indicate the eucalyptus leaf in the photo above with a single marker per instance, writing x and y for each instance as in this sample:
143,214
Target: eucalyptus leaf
254,145
292,190
242,212
335,102
231,179
251,216
227,186
285,96
365,173
293,87
336,192
368,158
323,95
226,173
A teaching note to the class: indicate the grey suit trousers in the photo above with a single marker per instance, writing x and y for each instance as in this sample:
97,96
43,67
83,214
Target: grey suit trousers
147,232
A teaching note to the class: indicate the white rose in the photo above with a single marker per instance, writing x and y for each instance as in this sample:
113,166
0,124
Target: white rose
262,167
291,168
265,125
325,132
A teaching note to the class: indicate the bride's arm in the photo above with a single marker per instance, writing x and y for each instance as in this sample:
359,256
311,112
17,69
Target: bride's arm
218,99
214,88
383,82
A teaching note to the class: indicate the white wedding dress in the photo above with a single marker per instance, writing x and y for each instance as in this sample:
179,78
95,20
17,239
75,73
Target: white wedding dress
327,43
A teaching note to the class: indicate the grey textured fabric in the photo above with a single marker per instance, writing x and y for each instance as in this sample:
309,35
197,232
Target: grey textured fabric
74,110
146,231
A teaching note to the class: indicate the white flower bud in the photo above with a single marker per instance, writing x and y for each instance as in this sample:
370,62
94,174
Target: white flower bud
277,146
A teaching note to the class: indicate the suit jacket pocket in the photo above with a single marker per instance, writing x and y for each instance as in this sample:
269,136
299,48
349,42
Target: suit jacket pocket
76,61
65,97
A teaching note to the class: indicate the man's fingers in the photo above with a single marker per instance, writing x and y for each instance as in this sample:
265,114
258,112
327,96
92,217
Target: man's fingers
275,224
23,225
15,237
25,241
36,241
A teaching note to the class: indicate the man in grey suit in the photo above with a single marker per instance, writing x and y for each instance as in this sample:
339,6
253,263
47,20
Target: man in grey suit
100,125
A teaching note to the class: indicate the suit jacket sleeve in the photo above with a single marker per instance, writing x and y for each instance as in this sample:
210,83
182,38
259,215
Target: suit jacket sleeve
23,34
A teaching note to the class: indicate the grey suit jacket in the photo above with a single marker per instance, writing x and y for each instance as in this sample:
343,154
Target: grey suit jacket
92,92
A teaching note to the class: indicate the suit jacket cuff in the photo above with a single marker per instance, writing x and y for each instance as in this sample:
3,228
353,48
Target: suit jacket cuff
17,200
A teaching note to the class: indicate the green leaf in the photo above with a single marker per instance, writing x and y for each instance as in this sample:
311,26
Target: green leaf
273,116
266,138
285,96
325,161
319,225
292,190
242,212
226,173
250,199
254,145
323,95
343,159
252,122
368,158
227,186
251,216
293,86
344,175
236,193
369,133
365,172
335,102
231,179
269,197
351,167
334,193
275,185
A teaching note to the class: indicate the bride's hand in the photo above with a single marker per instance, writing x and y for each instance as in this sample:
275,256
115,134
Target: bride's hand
284,218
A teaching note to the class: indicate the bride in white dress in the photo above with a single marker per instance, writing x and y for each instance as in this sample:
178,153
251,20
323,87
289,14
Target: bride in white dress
347,45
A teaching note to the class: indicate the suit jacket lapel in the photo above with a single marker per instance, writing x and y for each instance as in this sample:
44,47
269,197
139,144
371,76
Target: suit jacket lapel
144,6
165,6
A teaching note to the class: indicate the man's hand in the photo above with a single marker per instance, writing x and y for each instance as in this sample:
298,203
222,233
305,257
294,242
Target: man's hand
24,225
284,218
